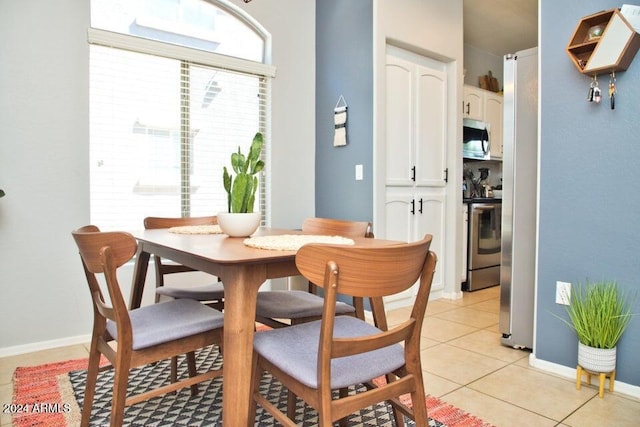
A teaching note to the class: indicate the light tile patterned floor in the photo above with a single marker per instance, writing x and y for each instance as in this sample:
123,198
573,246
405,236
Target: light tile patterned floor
465,365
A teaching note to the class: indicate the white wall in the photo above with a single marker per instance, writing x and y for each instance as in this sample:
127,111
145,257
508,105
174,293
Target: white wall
44,155
293,149
478,62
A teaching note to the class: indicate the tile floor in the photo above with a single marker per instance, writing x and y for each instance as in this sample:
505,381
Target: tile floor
465,365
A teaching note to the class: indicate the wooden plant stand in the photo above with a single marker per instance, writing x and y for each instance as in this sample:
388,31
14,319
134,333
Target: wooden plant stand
601,376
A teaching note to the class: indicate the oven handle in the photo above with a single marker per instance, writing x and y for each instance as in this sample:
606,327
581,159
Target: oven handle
484,207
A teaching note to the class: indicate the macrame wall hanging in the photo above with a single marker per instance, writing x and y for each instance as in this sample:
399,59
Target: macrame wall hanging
340,123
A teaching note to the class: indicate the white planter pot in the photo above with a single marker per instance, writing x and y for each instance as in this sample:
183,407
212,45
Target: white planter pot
239,224
596,359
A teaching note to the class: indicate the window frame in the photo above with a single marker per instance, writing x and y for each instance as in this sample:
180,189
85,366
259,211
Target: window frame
167,50
112,39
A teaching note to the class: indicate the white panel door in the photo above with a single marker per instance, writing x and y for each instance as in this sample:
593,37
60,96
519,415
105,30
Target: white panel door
400,225
431,127
416,137
472,106
430,219
399,221
493,114
400,156
416,131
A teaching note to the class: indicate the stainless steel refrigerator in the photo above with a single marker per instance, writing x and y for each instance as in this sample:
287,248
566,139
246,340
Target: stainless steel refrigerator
519,198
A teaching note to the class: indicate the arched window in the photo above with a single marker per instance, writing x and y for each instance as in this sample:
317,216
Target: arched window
176,86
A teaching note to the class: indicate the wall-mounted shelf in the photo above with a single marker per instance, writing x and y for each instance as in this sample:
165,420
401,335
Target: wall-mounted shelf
603,42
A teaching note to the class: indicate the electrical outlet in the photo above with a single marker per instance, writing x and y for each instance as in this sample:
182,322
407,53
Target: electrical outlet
563,293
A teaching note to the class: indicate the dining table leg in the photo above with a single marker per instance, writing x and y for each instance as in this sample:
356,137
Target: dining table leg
241,284
139,277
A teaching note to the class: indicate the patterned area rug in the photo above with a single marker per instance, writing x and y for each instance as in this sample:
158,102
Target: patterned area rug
51,395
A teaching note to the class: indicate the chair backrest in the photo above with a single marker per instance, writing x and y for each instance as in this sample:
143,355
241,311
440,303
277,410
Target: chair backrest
103,253
369,272
152,222
365,271
336,227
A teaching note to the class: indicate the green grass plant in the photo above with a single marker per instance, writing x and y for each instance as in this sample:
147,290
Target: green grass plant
599,313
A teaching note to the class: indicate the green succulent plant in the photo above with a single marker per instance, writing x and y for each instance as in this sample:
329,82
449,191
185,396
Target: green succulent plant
241,190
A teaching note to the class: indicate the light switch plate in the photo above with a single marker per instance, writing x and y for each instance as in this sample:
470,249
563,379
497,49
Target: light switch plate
359,173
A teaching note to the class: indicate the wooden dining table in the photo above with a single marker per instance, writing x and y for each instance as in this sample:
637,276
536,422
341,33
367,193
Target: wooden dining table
243,270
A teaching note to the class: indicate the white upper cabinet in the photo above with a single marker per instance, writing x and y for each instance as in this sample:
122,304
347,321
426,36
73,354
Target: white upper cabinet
416,131
473,103
493,115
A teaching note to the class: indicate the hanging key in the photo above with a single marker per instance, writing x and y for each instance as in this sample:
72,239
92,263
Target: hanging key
595,94
612,90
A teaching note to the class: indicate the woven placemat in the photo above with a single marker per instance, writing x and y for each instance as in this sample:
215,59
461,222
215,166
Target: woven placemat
293,242
197,229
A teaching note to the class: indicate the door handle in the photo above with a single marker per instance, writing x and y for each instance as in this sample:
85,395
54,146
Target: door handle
468,107
413,207
420,209
413,174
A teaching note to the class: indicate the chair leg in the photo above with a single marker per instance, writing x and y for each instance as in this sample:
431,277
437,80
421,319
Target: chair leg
419,405
256,374
90,386
173,375
291,404
191,366
120,381
398,417
342,393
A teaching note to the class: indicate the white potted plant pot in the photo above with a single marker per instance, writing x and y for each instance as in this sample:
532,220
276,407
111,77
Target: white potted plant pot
239,224
596,359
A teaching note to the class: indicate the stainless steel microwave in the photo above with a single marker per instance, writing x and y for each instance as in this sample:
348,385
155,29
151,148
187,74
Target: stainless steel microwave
475,140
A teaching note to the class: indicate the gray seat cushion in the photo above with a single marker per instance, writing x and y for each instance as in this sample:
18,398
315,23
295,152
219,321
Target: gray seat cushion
209,292
294,305
295,351
168,321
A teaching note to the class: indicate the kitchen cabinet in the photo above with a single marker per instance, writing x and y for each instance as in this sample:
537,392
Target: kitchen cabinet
473,103
416,125
486,106
603,42
415,153
493,115
409,215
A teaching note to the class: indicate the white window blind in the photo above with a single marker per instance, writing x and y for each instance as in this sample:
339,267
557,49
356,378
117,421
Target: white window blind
161,130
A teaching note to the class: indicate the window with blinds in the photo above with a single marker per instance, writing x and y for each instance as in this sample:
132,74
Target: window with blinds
164,120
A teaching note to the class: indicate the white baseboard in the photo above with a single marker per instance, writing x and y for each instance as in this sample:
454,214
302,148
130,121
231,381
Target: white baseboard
44,345
570,373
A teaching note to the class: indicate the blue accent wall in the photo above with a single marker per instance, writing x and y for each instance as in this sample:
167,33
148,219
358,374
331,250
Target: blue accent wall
344,66
589,174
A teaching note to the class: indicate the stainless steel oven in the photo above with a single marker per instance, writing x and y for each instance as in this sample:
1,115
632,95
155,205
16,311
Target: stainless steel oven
484,245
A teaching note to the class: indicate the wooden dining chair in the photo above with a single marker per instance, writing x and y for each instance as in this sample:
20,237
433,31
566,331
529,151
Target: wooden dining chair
337,352
132,338
289,307
211,294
